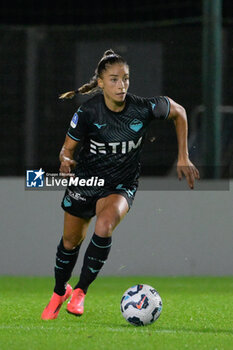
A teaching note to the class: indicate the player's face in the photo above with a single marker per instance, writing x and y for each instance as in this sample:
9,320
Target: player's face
115,83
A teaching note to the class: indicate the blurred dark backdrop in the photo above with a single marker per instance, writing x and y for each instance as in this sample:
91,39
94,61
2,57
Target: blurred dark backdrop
86,12
48,48
34,12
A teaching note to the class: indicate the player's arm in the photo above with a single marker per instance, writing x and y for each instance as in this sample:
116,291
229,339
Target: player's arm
66,155
184,165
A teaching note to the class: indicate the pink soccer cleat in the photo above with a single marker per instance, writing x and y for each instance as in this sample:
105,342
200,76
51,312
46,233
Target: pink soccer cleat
76,303
52,309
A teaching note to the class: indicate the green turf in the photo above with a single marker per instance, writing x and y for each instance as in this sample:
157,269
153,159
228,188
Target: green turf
197,314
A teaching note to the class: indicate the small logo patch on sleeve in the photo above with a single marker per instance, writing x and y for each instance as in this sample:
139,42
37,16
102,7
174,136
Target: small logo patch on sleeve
74,120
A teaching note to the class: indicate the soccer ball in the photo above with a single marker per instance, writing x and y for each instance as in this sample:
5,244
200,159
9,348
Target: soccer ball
141,305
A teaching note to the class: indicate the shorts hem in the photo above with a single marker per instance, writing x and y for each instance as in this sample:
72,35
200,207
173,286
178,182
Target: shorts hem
129,201
67,210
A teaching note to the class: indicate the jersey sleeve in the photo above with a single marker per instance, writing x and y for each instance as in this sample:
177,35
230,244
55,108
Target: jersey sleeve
159,107
77,126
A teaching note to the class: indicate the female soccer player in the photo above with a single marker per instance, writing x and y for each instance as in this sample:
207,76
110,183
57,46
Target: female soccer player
112,126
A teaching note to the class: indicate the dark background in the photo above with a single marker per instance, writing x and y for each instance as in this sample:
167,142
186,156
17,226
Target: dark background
69,39
85,12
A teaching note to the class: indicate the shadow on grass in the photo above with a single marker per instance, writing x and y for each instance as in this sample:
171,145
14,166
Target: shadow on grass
172,330
199,330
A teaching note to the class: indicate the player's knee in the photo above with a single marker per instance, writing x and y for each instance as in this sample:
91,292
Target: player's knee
104,227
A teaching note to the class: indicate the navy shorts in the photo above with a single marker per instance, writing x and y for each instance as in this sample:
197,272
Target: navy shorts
83,206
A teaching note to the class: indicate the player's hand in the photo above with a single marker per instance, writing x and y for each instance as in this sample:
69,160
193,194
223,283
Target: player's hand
67,165
186,168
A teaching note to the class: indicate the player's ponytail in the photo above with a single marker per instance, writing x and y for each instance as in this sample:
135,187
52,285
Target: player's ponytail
68,94
109,58
84,89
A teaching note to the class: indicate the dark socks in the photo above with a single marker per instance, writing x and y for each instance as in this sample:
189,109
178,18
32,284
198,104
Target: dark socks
65,261
94,259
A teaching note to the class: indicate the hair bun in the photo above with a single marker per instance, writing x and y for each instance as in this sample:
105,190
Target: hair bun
109,52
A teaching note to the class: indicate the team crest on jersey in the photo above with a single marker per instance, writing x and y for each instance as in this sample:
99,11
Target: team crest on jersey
136,125
74,120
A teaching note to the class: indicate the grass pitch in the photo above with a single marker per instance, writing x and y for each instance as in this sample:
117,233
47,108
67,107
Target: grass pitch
197,314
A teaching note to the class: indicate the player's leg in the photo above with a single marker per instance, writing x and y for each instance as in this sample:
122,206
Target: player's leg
75,229
109,212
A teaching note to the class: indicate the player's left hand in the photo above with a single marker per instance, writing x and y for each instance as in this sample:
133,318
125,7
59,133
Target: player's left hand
186,168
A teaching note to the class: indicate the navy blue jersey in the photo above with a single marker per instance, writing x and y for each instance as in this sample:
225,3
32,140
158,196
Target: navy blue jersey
112,141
